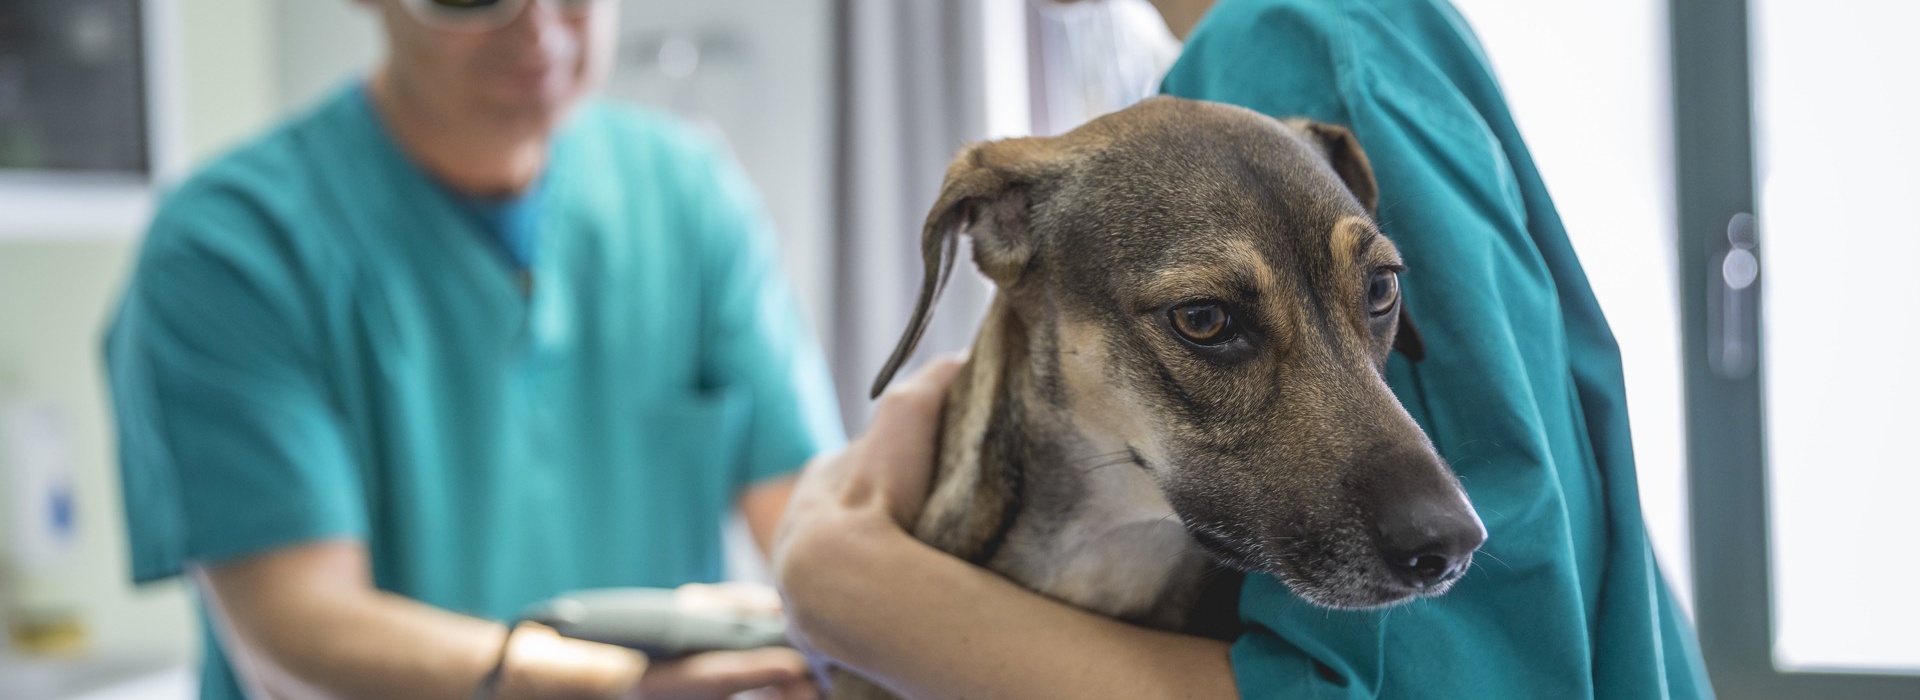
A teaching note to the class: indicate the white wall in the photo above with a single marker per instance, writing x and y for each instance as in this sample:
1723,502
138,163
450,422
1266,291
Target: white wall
318,45
763,79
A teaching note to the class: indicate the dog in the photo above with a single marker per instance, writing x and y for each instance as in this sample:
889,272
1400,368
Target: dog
1182,371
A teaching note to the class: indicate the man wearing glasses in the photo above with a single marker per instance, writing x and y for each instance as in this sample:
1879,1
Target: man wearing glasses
456,340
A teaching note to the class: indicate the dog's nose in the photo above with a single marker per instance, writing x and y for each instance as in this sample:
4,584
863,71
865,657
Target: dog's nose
1430,540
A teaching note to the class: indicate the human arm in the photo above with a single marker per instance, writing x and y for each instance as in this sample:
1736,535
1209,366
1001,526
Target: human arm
306,621
762,505
862,590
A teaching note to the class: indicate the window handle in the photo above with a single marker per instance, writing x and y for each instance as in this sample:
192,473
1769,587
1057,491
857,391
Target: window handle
1733,305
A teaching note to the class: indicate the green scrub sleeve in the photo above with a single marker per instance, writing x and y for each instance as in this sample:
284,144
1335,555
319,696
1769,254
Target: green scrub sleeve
229,445
755,339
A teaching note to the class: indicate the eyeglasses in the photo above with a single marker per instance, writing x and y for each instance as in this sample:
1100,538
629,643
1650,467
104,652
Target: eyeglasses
484,15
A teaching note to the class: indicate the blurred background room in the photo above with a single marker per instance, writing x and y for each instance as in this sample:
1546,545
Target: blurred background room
1721,166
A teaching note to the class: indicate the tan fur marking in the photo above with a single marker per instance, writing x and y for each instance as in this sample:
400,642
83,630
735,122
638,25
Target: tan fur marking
1123,551
1344,244
1213,275
1349,233
958,489
1103,411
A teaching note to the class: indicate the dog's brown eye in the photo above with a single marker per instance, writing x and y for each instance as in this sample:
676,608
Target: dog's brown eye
1204,323
1383,293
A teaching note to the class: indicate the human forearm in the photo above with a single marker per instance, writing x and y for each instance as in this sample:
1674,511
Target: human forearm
761,507
866,593
306,625
392,647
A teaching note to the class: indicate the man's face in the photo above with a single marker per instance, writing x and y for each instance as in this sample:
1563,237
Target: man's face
526,71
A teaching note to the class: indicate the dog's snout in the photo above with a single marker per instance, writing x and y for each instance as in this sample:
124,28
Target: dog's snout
1429,540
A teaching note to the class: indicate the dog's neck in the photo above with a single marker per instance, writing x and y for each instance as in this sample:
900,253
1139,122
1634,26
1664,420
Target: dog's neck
1026,489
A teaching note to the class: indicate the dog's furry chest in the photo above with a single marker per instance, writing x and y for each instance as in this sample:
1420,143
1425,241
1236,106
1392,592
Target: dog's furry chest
1112,546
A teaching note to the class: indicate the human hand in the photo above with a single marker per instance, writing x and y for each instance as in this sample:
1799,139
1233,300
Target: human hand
759,673
774,672
886,470
847,501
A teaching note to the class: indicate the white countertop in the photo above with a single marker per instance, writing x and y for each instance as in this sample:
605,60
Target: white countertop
96,678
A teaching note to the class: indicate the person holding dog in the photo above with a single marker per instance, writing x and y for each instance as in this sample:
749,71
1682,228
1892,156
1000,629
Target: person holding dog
457,340
1520,389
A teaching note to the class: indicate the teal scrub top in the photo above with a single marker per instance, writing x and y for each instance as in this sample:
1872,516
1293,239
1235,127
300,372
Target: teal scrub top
318,343
1521,388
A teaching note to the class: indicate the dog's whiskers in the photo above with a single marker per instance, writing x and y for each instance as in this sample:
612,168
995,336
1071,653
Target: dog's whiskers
1099,467
1490,555
1097,457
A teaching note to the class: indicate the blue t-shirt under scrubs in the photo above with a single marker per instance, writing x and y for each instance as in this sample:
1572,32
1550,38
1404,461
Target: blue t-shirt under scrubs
1521,388
320,342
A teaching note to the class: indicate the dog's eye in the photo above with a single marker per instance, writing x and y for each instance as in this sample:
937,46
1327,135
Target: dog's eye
1203,323
1383,293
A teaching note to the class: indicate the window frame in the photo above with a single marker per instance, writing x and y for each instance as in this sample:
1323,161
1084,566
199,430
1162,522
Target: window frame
1726,452
62,205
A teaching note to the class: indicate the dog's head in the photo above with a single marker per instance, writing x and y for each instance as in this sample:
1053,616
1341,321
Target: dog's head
1210,291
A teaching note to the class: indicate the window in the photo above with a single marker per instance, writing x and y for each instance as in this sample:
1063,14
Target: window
72,88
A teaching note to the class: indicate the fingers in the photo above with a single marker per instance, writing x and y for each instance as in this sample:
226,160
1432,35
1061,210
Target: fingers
920,396
898,449
734,671
804,689
938,373
874,488
722,673
799,690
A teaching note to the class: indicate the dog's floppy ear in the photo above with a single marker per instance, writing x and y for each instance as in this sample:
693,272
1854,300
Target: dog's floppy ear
1342,151
1406,338
985,197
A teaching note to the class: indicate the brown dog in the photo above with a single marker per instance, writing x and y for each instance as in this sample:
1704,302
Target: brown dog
1184,359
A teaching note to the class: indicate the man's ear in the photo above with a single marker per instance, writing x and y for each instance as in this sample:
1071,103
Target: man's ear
1342,151
1406,338
985,196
